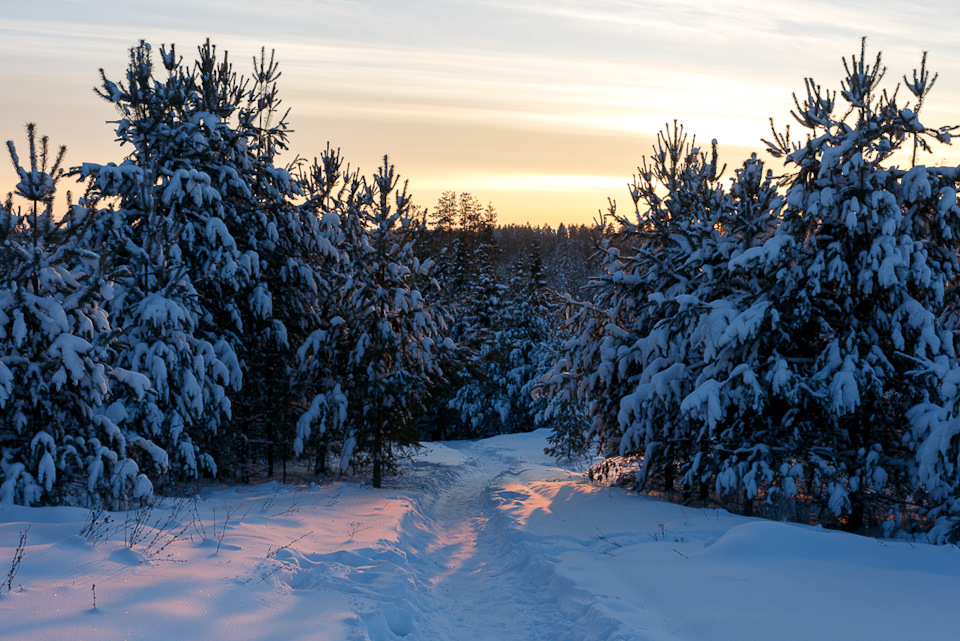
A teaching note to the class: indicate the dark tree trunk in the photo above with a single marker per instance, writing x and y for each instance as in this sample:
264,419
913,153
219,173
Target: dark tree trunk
668,476
320,467
378,457
856,519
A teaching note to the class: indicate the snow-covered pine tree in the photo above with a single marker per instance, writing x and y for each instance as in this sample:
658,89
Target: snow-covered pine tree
628,356
862,256
59,438
291,249
797,344
681,240
333,206
218,232
462,273
388,340
445,216
847,331
162,232
441,240
731,341
812,358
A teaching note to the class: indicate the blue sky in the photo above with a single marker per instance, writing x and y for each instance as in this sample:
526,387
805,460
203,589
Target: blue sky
542,108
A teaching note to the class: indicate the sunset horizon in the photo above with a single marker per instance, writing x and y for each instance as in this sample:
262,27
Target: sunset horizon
542,110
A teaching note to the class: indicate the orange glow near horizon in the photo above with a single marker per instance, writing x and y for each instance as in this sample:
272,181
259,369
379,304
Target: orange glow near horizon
542,109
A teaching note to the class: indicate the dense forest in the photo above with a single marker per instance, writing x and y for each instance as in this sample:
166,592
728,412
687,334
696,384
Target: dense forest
777,343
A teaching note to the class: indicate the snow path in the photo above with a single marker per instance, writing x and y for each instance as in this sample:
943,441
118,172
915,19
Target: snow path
467,575
473,570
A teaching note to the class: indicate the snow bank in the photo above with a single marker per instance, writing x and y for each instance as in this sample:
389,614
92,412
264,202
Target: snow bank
477,540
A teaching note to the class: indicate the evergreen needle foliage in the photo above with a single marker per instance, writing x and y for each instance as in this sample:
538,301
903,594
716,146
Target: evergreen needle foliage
781,343
788,342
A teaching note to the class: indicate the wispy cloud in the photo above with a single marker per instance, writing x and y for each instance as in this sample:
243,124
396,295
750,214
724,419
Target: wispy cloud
774,19
552,74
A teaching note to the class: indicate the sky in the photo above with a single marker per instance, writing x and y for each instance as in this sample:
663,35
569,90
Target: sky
543,109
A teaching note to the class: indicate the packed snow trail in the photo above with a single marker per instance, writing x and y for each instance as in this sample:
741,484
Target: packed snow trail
466,575
474,569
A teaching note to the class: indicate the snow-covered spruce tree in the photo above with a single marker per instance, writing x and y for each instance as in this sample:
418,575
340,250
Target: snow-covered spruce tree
524,334
377,361
477,399
59,439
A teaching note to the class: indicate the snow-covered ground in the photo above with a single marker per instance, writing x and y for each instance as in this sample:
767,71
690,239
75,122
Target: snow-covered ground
477,540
